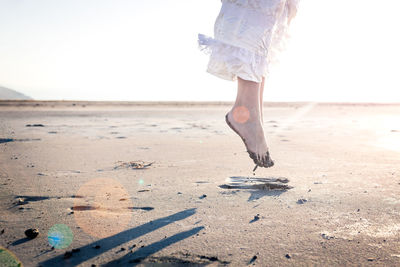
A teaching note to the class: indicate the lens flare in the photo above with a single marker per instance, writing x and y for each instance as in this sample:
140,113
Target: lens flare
141,181
8,259
104,209
60,236
241,114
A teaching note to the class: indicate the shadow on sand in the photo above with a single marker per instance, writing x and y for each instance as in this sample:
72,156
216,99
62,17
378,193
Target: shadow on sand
132,259
88,252
259,187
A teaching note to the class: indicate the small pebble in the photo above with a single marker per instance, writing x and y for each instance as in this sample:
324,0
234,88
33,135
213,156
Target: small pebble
288,256
327,237
301,201
253,259
32,233
256,218
203,196
96,247
67,255
21,201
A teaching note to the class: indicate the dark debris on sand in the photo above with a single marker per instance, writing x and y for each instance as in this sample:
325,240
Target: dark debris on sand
32,233
253,259
256,218
34,125
6,140
301,201
135,165
257,183
143,190
69,254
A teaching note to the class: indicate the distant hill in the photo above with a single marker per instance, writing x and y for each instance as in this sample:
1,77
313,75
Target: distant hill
8,94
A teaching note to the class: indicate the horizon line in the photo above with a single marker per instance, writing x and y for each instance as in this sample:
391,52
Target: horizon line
177,103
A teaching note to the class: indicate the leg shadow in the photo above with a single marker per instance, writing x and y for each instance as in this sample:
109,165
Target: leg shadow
20,241
259,187
88,252
135,258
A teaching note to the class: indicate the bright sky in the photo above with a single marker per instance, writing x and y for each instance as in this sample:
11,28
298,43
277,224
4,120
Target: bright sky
342,50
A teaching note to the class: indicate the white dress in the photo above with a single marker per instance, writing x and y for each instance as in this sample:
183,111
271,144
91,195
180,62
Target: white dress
247,34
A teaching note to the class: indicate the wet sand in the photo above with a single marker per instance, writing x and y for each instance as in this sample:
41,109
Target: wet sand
150,184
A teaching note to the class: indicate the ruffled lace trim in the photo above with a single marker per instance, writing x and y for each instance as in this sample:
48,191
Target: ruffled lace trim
229,62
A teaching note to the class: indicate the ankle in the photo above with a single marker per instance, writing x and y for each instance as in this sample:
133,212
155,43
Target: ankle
243,114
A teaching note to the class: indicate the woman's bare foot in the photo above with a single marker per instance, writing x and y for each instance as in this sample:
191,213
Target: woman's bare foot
248,126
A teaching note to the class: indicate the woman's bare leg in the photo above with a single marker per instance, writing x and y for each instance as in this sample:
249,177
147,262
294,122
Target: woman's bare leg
262,99
245,119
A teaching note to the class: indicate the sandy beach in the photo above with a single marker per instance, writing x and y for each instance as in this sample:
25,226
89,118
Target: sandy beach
167,184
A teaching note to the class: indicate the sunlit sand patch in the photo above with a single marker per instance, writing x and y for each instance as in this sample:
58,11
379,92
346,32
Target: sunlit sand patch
365,227
8,259
285,125
101,213
390,142
392,200
387,132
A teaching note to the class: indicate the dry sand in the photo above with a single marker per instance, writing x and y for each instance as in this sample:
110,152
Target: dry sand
152,184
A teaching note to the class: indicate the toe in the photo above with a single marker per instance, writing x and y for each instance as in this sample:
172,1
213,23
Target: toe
267,160
264,161
252,156
259,160
270,161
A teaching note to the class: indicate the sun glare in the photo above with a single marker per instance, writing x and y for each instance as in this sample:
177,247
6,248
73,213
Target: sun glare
135,50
